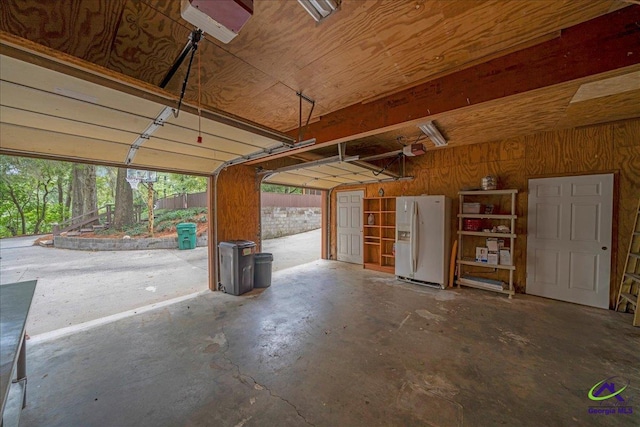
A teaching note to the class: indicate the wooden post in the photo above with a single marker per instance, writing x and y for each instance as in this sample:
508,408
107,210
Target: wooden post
150,206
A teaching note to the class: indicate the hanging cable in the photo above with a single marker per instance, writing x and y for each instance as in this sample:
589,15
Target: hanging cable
395,159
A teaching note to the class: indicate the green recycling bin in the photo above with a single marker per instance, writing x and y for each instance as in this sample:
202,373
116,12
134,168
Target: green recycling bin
186,235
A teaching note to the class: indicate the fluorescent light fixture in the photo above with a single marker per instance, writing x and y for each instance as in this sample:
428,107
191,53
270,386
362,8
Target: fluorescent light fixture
320,9
433,133
146,134
221,19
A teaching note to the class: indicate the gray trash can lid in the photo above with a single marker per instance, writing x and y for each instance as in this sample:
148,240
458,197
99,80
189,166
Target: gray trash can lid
263,257
238,243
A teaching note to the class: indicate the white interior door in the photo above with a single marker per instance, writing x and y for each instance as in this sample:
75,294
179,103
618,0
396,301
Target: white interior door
350,226
569,238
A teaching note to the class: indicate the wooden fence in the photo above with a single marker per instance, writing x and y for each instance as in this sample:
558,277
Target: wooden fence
183,201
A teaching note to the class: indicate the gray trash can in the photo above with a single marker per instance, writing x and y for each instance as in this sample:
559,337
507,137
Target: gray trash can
236,266
262,270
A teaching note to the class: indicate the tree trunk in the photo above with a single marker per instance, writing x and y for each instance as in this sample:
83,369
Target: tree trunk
124,201
77,208
85,196
90,190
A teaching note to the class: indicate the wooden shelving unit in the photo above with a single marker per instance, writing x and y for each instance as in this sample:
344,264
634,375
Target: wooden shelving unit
466,237
379,238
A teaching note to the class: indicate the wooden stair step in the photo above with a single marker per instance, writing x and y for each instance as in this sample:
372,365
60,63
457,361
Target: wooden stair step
635,277
631,298
86,230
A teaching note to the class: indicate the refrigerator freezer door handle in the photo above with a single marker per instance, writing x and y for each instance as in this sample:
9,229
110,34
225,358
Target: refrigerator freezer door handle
414,237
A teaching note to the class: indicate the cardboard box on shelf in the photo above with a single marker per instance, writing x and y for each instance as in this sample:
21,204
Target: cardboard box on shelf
481,254
505,256
494,244
492,258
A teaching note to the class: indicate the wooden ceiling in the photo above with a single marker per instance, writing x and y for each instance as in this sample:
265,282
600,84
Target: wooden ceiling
366,51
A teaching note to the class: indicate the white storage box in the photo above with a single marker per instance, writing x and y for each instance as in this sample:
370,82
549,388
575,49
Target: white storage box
505,256
481,254
471,208
494,244
492,258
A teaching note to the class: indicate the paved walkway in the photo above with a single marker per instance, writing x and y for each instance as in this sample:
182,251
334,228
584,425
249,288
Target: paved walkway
75,287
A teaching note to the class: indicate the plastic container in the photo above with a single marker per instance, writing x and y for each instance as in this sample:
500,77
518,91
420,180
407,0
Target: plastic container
262,270
472,224
186,235
471,208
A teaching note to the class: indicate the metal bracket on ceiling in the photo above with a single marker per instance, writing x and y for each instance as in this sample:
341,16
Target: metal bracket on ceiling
301,130
342,150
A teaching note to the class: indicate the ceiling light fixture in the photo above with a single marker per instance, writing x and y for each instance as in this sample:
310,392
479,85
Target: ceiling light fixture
430,129
320,9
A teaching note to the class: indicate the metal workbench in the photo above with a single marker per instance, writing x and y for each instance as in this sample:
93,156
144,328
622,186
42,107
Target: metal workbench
15,301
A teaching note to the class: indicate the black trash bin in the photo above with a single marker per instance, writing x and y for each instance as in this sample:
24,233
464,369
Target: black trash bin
236,266
262,270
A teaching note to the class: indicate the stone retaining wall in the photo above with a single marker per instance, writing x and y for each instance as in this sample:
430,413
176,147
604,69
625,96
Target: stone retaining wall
87,244
278,222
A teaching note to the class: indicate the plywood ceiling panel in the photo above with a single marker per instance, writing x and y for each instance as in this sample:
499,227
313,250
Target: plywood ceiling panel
366,49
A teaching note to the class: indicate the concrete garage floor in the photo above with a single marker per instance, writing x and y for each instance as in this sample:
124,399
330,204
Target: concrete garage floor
79,287
331,344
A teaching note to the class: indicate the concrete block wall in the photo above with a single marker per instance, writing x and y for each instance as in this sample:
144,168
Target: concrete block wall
279,222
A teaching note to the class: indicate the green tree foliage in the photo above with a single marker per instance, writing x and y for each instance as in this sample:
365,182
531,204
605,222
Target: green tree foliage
35,193
30,190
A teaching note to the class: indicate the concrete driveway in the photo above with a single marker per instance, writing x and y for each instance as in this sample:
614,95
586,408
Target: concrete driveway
79,287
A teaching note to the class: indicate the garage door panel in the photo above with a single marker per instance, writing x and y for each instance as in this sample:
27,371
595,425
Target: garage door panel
35,141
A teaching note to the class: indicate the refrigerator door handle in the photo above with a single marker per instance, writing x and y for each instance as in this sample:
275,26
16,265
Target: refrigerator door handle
414,238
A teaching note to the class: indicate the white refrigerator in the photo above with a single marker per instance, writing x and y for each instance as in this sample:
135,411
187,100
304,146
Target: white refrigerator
423,225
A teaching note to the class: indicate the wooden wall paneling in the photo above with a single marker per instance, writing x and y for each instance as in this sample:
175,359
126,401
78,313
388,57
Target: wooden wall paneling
626,136
84,29
238,204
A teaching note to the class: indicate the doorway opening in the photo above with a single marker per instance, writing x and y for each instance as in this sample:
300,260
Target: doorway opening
291,224
84,233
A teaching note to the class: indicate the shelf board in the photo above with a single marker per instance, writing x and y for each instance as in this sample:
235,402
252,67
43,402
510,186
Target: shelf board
388,211
383,268
485,192
388,239
368,212
388,256
372,237
629,297
634,255
372,243
635,277
372,226
487,287
486,234
486,265
487,216
387,226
